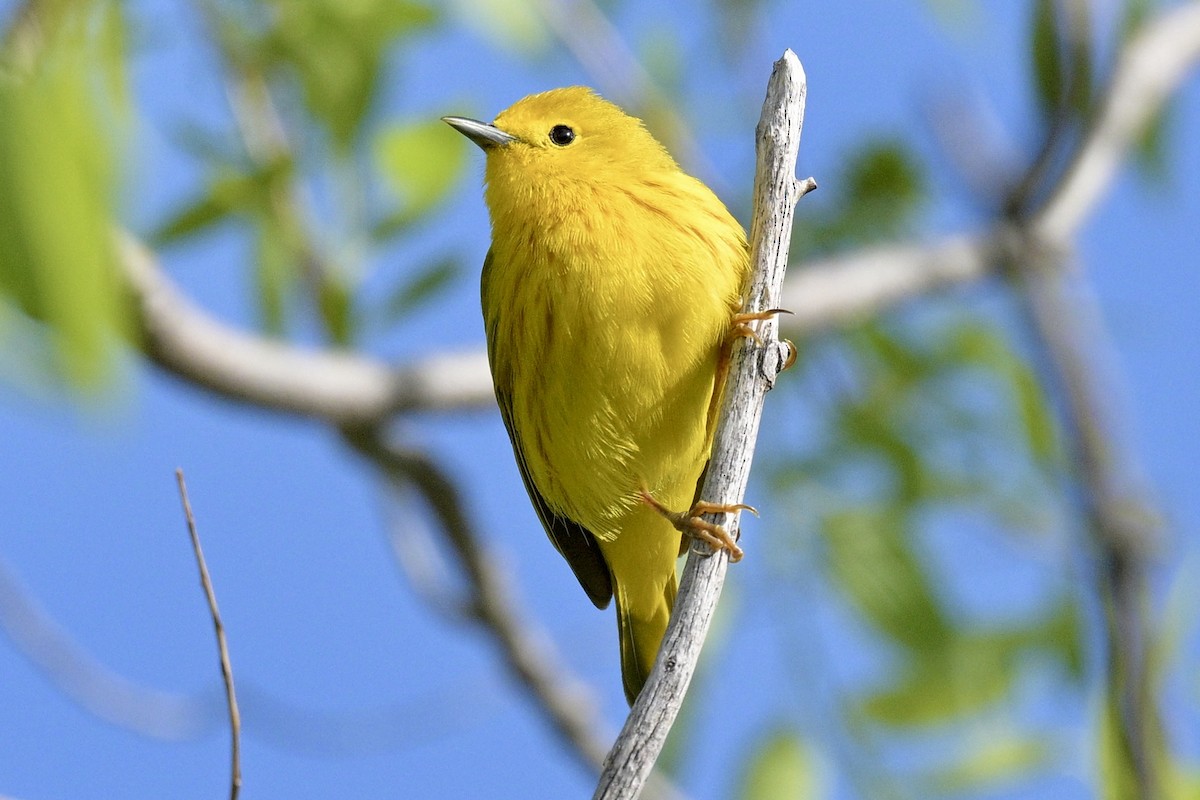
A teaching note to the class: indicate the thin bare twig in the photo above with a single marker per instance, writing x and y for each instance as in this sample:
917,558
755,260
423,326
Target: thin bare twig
235,717
752,372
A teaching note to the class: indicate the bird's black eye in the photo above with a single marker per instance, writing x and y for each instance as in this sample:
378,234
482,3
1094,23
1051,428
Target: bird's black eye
562,135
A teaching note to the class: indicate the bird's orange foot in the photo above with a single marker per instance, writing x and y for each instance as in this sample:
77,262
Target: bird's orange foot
692,524
741,323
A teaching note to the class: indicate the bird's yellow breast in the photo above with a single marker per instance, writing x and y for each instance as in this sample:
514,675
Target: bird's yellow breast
606,303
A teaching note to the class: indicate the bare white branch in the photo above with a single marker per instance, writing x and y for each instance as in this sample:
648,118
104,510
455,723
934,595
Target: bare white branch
1149,70
841,289
751,374
339,387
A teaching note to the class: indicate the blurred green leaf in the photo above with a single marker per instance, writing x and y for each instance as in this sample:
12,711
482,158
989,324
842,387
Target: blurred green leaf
1151,148
229,194
337,48
335,303
1079,45
423,161
273,275
60,113
661,53
1036,416
997,758
1133,16
421,288
1181,782
876,567
901,365
866,426
1118,780
515,25
882,188
884,171
964,675
782,766
1045,42
985,346
1061,634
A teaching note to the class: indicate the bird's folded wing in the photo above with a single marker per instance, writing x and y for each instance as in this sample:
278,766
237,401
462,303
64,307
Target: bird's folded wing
576,544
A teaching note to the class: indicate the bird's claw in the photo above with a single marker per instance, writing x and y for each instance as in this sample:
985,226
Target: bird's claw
741,322
793,353
693,525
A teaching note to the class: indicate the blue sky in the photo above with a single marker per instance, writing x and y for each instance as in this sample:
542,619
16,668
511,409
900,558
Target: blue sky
389,699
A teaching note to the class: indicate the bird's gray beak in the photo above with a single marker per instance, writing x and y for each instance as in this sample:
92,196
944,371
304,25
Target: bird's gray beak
481,133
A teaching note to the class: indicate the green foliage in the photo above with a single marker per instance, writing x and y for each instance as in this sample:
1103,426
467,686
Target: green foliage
873,563
336,47
911,439
421,287
1134,14
878,195
232,192
61,102
993,758
974,345
964,674
515,25
1150,155
334,52
781,766
273,276
1060,42
423,162
1047,58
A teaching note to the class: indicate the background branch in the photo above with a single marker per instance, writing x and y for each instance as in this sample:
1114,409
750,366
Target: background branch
332,385
1077,355
529,654
1150,69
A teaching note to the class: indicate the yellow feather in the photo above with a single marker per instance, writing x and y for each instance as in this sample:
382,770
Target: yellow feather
608,293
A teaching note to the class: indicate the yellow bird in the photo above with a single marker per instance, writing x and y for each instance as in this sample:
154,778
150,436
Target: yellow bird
609,293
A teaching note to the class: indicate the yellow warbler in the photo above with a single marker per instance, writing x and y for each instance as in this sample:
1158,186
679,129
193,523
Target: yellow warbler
608,294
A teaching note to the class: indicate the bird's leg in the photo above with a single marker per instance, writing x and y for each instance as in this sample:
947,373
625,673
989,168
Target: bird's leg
741,329
690,523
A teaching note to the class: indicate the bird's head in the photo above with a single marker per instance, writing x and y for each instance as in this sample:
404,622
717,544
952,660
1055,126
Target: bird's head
563,137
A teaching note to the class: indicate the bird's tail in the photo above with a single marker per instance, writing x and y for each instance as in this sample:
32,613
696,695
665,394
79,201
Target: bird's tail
641,628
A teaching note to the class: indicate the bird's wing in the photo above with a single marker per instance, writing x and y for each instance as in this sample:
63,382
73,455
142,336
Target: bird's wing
574,542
